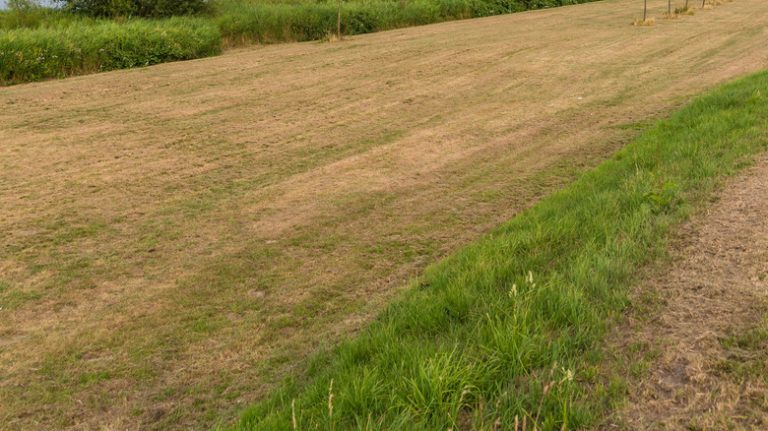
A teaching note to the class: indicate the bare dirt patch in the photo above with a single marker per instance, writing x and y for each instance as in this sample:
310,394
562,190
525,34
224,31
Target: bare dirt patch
710,336
175,239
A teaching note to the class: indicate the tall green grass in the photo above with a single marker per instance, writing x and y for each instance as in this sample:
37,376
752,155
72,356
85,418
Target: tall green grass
269,22
42,43
244,22
33,18
509,329
31,54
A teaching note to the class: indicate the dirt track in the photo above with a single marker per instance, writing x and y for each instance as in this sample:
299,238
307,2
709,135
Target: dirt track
176,238
711,332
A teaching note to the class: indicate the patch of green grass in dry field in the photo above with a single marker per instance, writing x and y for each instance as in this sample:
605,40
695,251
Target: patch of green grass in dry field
509,329
747,354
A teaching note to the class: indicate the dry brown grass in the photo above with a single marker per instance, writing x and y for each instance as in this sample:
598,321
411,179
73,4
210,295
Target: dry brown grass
644,22
708,334
176,238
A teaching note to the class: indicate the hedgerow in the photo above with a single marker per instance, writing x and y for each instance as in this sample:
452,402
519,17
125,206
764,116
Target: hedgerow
142,8
34,54
38,43
264,22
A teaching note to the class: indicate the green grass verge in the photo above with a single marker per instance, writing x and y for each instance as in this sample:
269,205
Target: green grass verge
510,328
30,54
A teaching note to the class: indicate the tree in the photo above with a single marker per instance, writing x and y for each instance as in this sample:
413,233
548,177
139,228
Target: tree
144,8
22,5
645,10
338,21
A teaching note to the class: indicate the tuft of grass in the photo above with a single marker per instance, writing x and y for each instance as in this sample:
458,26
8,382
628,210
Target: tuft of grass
644,22
508,330
747,354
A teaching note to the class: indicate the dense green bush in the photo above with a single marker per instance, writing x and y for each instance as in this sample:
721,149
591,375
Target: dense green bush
34,54
143,8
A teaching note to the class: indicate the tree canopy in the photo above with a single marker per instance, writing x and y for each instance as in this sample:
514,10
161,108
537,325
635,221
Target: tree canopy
143,8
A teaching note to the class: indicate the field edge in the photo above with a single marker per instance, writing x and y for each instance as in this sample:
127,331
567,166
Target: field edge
452,327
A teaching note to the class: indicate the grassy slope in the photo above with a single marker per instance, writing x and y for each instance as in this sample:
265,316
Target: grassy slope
510,327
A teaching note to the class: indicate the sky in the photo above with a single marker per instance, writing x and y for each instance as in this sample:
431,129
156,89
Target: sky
4,3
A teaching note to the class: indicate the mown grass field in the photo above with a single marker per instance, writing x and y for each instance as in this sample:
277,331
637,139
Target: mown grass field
508,330
179,238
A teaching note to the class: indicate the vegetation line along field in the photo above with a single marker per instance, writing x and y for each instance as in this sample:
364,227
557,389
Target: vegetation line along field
97,35
506,333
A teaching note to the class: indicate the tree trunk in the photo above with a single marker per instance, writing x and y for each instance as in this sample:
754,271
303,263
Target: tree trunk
645,10
338,22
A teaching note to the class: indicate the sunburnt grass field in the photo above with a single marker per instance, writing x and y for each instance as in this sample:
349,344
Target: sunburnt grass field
508,331
41,43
